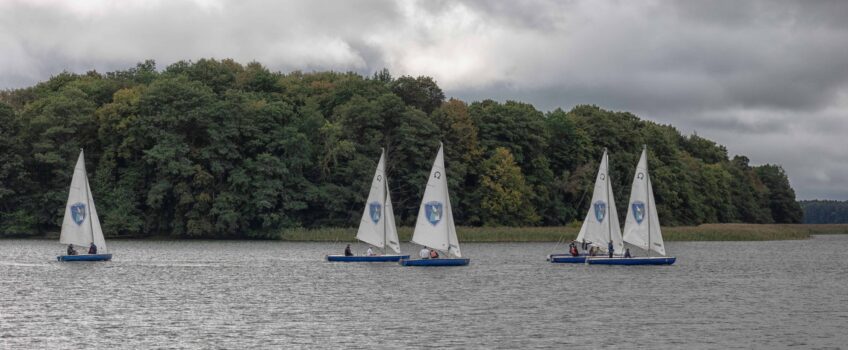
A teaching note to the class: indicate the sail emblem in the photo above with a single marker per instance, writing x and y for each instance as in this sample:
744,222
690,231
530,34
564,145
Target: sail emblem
433,210
600,210
638,211
374,210
78,213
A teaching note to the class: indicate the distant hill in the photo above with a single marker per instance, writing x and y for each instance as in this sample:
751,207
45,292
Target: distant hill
218,149
825,212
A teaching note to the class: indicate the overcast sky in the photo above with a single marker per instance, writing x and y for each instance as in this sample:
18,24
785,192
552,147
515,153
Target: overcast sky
768,79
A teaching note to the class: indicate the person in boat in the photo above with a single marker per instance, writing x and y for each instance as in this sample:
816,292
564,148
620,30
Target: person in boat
71,250
592,250
370,252
424,253
92,249
347,251
572,249
627,253
434,254
584,245
610,249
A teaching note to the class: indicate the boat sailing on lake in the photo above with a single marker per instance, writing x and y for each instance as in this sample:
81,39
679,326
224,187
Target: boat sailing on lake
600,227
81,227
377,226
642,225
435,227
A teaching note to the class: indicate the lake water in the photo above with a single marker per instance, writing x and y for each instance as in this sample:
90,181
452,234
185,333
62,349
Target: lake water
226,294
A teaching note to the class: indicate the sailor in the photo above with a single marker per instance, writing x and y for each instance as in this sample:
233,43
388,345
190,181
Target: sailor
71,250
92,249
573,250
434,254
627,253
370,252
347,251
583,245
610,248
424,253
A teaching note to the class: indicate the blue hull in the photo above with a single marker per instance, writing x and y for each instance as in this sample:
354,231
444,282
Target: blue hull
633,261
86,257
363,258
435,262
567,259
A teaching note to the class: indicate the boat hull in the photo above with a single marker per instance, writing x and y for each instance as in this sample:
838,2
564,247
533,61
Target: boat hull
435,262
85,257
566,259
656,260
363,258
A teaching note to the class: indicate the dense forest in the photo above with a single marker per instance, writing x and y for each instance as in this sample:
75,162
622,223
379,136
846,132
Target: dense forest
825,212
218,149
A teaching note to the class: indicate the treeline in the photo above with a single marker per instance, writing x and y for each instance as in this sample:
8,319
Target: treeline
825,212
220,149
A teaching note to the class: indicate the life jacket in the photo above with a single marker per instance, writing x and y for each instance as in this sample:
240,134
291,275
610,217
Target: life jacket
434,254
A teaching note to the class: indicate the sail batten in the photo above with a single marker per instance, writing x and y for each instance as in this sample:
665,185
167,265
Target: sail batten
642,226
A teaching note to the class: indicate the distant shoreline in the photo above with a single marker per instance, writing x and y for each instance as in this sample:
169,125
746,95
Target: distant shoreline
706,232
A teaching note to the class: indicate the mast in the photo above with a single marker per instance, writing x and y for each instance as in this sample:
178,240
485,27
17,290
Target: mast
447,199
385,194
609,188
87,197
647,188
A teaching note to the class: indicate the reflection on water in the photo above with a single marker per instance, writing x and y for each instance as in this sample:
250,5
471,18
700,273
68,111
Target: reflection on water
280,294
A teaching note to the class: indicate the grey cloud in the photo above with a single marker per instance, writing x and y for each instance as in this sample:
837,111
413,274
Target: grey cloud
750,74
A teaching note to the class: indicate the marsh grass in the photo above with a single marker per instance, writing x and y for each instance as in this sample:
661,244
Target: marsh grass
706,232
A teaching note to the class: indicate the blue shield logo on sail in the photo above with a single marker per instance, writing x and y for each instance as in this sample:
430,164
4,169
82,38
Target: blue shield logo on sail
600,210
78,213
374,208
638,208
433,211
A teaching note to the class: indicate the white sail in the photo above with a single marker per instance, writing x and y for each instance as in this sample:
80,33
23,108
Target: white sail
392,240
372,227
601,223
642,226
81,225
435,227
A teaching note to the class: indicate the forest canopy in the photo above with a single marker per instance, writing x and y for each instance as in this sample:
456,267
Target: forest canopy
217,149
825,212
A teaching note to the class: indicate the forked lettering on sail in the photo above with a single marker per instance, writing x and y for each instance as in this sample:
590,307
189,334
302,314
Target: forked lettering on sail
377,226
642,226
435,227
601,223
81,225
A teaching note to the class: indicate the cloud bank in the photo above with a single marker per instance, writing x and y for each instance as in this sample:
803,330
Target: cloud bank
768,79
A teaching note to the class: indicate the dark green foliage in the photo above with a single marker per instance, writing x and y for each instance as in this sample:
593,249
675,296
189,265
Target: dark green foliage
825,212
215,149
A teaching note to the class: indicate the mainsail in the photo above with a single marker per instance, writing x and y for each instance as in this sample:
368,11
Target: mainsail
601,223
642,226
435,227
81,225
377,226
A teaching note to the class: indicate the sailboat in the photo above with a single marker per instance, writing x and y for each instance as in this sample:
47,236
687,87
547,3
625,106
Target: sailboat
435,227
601,223
377,226
642,226
81,227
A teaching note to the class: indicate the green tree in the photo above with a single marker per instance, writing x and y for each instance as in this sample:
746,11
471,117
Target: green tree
504,194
